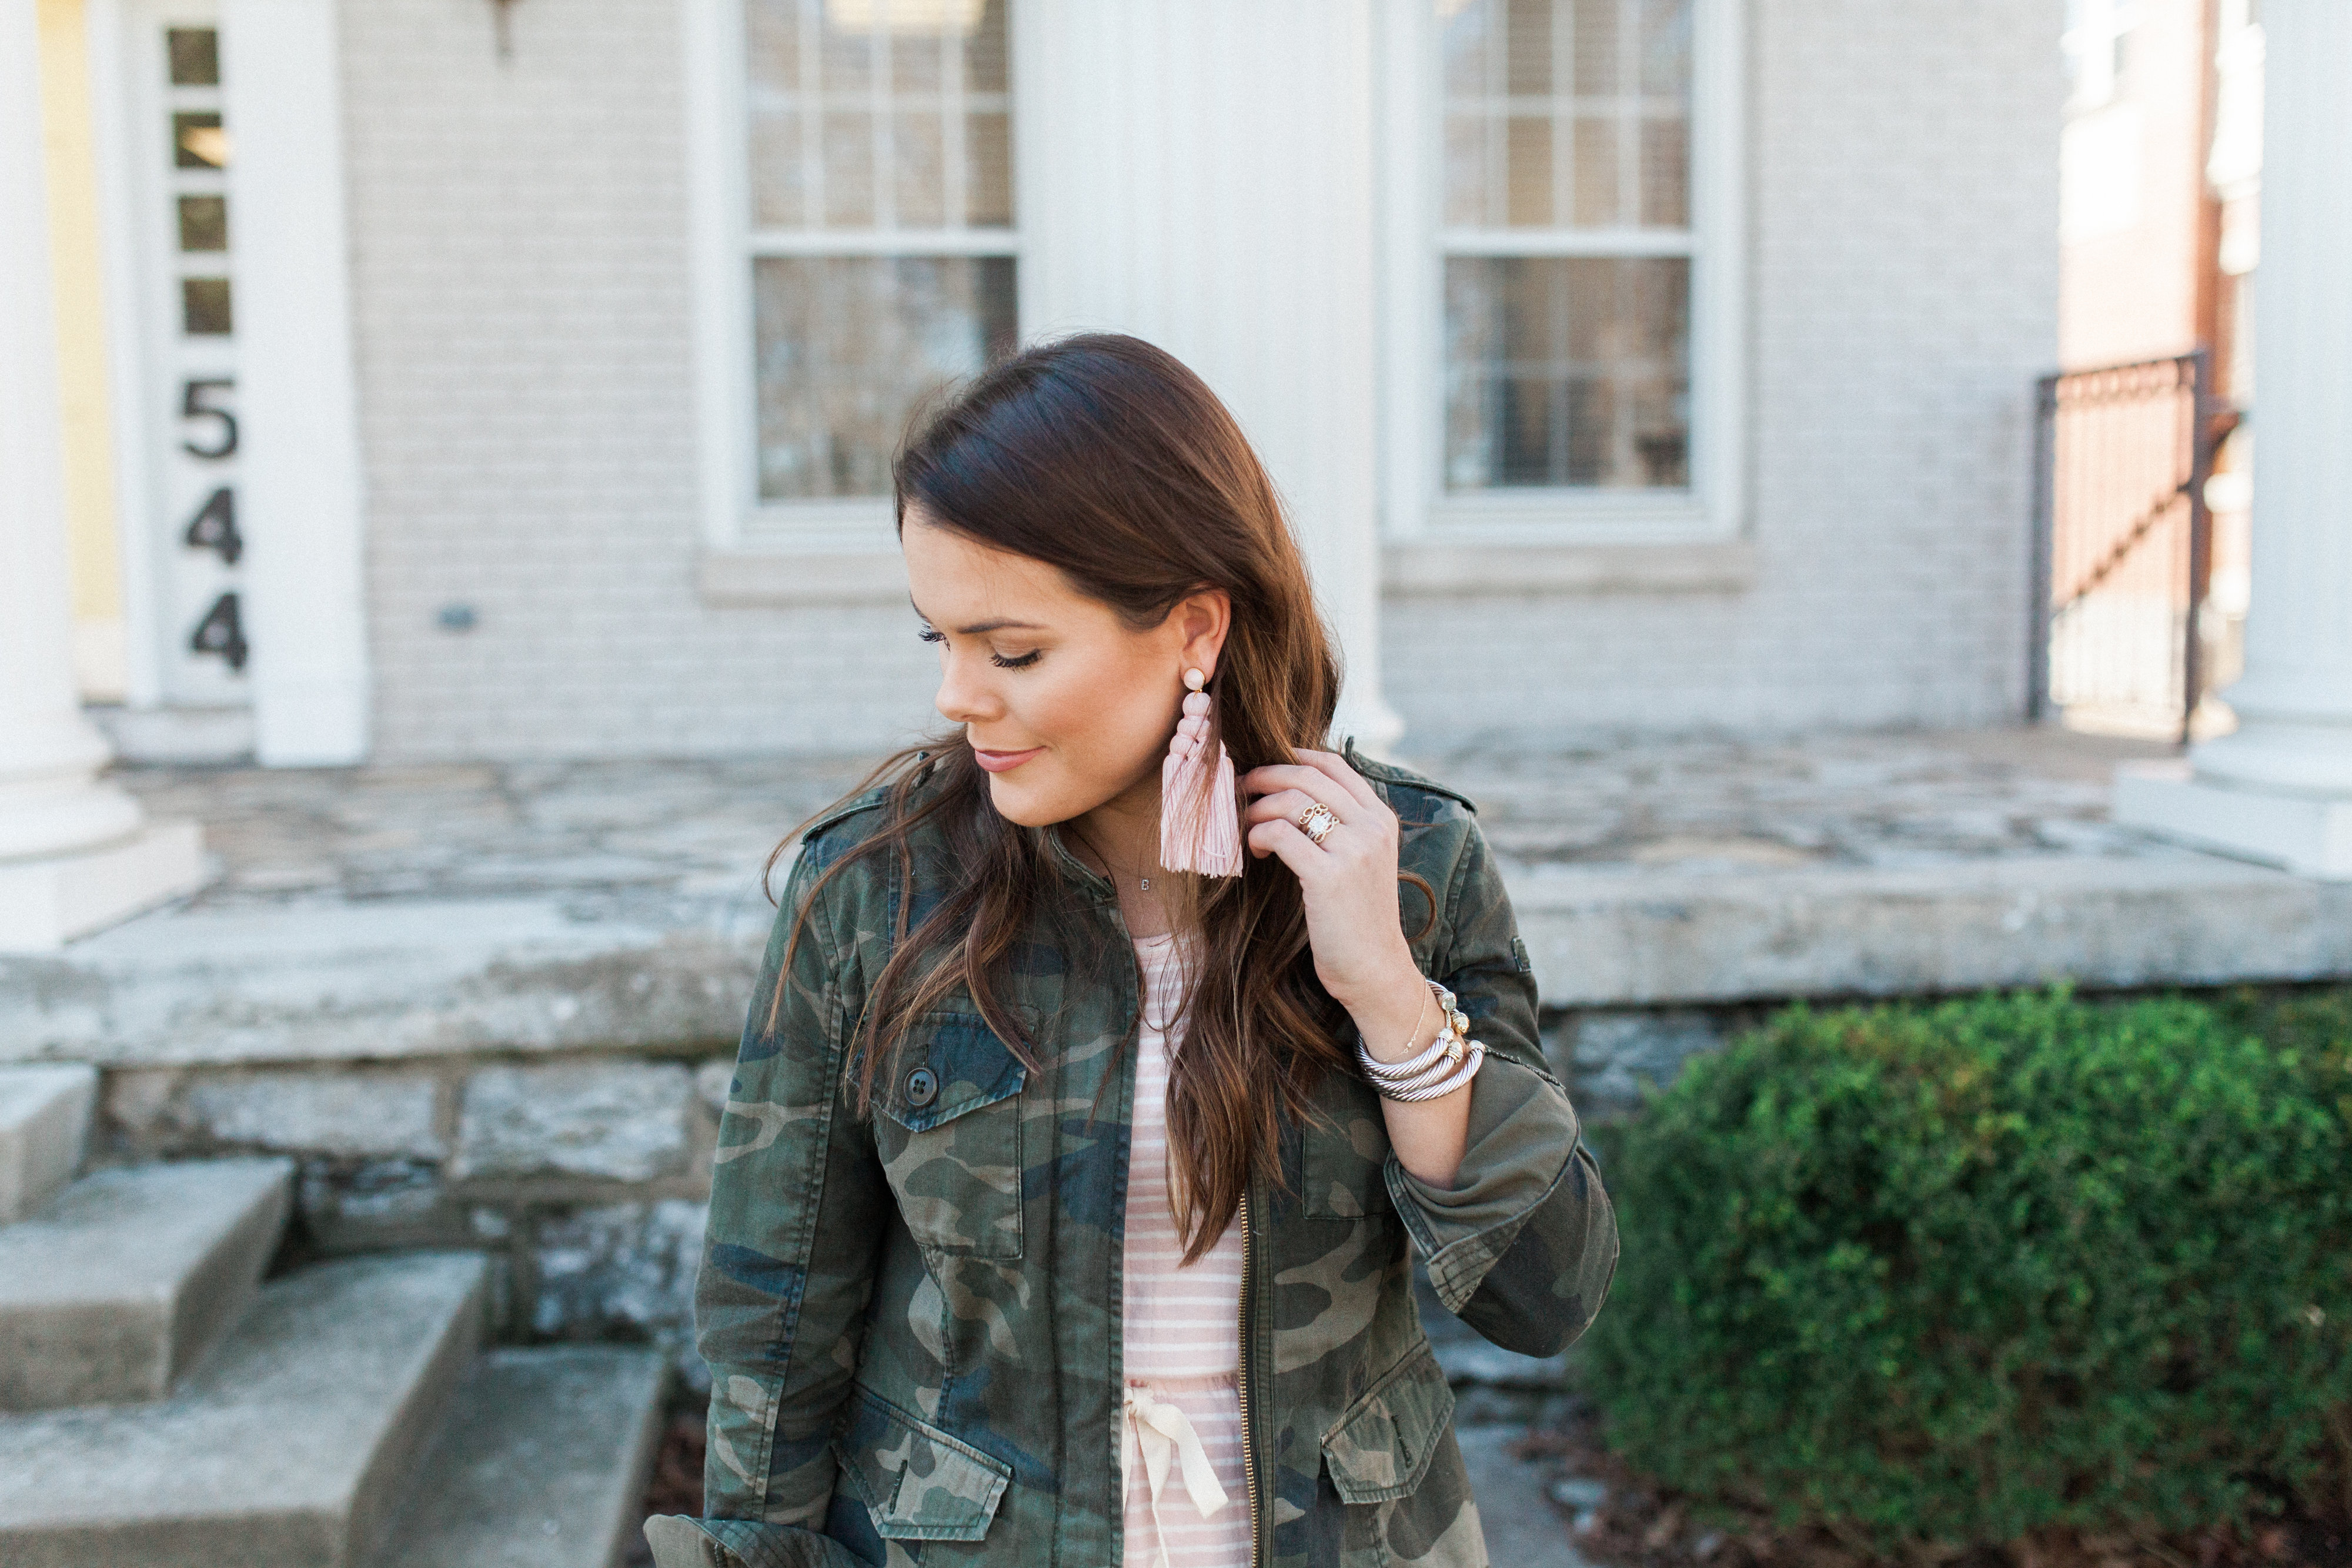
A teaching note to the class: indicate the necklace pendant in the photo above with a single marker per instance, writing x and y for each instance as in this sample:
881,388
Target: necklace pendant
1145,884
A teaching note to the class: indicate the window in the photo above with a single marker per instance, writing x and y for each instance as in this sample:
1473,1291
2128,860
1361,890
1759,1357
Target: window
873,245
1575,268
189,580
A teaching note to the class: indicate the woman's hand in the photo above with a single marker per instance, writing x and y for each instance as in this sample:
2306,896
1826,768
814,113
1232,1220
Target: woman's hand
1361,956
1349,882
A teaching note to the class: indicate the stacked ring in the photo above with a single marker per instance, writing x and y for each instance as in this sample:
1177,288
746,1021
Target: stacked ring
1316,822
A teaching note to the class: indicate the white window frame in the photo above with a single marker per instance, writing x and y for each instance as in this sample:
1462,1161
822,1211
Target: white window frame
1418,514
757,552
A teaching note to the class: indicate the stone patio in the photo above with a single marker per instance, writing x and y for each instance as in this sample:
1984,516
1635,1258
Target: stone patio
390,912
492,1008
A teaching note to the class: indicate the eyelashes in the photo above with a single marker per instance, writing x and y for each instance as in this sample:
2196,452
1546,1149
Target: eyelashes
933,634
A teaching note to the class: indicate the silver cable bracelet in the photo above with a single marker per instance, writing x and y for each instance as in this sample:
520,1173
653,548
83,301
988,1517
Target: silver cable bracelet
1451,1059
1469,1069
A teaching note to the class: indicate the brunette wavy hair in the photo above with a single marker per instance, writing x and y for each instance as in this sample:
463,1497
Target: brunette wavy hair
1106,458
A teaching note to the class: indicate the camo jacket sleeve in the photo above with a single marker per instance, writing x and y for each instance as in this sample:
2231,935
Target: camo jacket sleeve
1523,1247
798,1205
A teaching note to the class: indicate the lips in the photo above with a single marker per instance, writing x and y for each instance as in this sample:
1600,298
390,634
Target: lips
1002,761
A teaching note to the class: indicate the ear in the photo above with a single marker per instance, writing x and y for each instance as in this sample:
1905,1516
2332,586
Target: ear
1202,620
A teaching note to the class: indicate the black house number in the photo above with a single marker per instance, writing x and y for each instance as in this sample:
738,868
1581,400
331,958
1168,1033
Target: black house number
196,403
221,632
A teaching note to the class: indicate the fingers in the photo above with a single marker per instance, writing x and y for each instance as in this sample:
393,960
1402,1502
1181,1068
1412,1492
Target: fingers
1276,775
1282,837
1283,805
1335,767
1329,780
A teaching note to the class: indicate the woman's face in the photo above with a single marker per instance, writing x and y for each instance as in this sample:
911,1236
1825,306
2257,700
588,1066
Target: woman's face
1065,705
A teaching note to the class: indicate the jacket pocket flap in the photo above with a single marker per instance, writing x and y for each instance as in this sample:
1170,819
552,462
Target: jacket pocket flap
1379,1446
918,1482
951,1062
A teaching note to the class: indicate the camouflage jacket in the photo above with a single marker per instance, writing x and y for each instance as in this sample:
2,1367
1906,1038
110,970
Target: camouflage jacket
912,1318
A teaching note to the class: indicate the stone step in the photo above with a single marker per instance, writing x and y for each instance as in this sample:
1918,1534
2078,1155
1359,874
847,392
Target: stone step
117,1285
44,1123
541,1463
284,1449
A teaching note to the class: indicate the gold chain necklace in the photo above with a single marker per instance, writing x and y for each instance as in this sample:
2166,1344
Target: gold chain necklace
1142,883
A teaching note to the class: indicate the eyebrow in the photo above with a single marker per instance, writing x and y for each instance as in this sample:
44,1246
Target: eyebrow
983,628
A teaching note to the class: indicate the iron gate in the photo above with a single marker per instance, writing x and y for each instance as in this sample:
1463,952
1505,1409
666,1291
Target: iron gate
2123,540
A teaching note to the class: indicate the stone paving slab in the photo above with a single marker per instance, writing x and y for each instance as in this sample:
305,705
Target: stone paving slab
541,1463
389,912
1523,1528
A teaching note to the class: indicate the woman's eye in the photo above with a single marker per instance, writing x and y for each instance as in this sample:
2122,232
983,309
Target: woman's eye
932,635
1024,662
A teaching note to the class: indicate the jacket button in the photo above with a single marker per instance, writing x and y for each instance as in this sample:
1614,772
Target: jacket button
922,1087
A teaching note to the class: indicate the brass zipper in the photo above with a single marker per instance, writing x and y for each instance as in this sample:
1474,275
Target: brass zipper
1241,1380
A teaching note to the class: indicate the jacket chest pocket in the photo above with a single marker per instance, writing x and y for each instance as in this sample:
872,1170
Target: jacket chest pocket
948,1126
1344,1161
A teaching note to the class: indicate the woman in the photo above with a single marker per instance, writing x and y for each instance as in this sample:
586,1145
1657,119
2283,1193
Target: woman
1068,1193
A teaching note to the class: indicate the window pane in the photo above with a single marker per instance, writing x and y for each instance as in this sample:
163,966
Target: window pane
1666,173
1465,25
194,56
1567,371
1667,47
921,170
983,51
1566,113
1530,188
204,223
1597,169
204,308
198,141
1527,68
847,53
847,347
988,147
1593,25
779,173
867,114
849,171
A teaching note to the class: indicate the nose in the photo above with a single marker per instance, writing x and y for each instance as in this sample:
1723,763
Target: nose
965,695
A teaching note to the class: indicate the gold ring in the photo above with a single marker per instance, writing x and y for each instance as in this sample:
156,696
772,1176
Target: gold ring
1316,822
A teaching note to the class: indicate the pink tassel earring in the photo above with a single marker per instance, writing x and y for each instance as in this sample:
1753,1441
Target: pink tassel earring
1200,810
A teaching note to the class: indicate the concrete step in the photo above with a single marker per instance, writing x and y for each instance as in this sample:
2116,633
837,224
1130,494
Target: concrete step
44,1123
118,1284
541,1463
284,1449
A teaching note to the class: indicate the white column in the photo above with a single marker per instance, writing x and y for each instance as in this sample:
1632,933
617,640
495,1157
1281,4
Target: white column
75,853
1199,172
2280,789
299,501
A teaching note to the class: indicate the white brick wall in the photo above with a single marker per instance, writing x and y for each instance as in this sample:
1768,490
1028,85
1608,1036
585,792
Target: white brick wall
522,290
522,295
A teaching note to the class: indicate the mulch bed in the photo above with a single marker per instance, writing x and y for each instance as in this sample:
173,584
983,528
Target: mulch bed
1643,1525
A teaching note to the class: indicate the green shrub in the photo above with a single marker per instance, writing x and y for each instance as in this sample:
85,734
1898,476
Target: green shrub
1951,1273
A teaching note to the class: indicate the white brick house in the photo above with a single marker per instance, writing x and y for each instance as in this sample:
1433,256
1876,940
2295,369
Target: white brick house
1628,363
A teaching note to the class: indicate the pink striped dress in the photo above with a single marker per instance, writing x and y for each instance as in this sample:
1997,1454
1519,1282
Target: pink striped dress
1186,1503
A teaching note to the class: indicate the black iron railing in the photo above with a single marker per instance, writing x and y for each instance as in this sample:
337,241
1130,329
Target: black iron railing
2122,542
